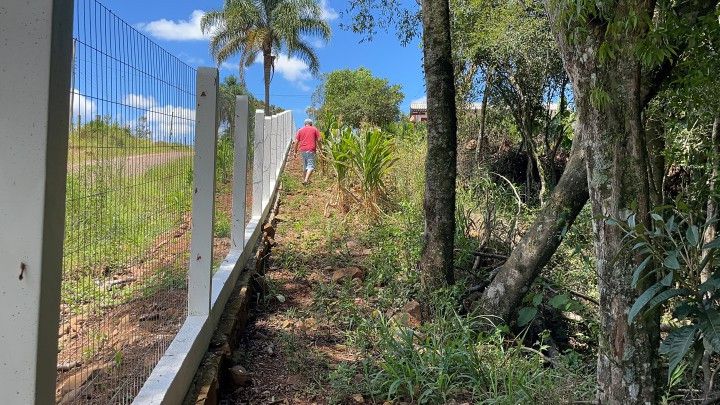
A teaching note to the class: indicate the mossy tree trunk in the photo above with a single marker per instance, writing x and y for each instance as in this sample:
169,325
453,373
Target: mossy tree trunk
436,263
609,102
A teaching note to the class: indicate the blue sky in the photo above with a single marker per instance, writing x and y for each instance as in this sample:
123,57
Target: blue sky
175,26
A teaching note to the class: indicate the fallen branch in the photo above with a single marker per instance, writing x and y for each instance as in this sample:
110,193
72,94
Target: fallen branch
491,255
571,292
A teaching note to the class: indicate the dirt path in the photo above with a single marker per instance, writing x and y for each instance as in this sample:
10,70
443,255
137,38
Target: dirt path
290,345
134,165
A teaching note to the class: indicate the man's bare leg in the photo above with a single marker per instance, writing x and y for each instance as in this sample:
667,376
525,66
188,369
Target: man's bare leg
307,175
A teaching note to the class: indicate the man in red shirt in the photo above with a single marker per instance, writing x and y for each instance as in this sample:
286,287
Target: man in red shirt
307,140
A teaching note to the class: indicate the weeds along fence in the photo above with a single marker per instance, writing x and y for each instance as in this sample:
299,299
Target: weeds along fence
118,306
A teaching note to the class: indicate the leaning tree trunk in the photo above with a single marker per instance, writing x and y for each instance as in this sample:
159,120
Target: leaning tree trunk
608,103
436,263
512,280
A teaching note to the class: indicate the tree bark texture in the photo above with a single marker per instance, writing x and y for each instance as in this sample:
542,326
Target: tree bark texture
507,289
267,65
609,103
712,208
440,167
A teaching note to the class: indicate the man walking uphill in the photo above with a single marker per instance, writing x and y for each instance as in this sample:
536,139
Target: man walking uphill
307,141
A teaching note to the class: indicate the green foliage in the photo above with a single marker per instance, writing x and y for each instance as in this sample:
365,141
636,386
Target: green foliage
101,237
372,154
102,138
359,159
255,28
222,224
674,253
450,357
358,98
224,159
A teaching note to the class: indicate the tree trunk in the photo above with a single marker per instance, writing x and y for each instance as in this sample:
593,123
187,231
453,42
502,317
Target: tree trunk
436,263
267,65
618,186
609,102
656,169
712,208
507,289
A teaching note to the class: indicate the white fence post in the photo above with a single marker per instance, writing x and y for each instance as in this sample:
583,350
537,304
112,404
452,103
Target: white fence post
273,145
281,142
237,234
258,155
36,47
203,205
267,190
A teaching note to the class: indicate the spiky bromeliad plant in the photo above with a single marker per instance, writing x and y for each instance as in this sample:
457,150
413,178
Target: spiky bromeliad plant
336,153
372,154
677,252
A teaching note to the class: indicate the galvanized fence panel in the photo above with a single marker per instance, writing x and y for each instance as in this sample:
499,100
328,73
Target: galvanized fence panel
125,333
128,198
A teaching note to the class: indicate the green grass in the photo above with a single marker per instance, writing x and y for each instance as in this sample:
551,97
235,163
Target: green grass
102,139
462,358
113,220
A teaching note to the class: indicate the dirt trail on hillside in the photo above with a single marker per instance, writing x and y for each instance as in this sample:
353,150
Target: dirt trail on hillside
290,347
134,165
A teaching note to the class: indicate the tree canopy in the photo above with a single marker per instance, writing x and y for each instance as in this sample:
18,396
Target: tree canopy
358,97
254,28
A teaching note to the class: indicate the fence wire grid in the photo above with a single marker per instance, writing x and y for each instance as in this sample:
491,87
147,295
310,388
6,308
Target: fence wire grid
128,200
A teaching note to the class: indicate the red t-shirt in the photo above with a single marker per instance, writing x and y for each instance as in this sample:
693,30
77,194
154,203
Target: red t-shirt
307,137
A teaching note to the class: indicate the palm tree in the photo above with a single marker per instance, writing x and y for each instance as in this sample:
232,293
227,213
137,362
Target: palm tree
267,27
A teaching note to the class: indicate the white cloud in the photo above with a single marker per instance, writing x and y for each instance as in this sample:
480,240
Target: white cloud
422,99
165,122
168,121
82,105
180,30
328,13
292,69
140,101
317,43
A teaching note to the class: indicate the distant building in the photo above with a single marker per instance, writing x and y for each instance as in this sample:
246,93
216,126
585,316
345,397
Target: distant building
418,110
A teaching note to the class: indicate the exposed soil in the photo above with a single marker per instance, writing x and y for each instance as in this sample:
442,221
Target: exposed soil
107,351
288,351
136,164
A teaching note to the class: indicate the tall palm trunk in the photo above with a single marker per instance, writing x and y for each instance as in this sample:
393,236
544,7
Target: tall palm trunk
436,263
267,64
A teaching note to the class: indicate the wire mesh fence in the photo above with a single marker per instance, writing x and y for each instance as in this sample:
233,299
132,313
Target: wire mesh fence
124,282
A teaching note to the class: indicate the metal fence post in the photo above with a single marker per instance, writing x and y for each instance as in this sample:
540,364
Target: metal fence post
267,191
203,205
237,234
258,155
36,44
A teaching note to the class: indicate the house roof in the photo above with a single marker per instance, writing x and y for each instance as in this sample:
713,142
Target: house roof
418,105
422,105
